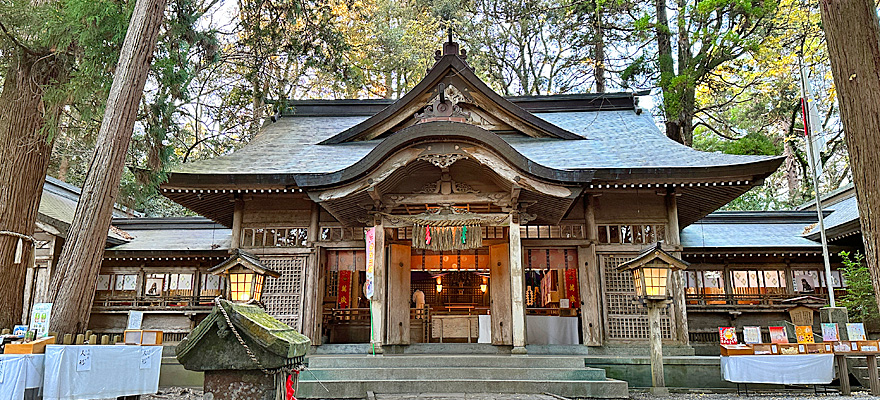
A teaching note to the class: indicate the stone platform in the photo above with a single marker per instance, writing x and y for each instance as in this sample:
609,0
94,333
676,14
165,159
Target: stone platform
352,376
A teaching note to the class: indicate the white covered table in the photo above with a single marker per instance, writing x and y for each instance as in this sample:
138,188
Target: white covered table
20,372
540,329
113,371
801,369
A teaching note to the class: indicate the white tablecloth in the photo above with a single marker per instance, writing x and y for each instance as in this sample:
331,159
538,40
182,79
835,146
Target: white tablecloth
540,329
20,372
115,371
802,369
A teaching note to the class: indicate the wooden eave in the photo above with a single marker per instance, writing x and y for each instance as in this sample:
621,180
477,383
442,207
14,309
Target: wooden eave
245,259
652,253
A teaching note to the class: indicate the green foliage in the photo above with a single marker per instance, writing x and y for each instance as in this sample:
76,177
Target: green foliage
859,299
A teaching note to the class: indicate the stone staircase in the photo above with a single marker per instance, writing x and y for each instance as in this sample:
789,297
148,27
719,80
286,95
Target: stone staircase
858,368
352,376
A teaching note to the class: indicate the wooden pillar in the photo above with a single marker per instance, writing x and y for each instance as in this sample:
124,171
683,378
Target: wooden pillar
843,375
237,214
499,294
589,279
377,303
679,286
658,381
517,289
399,296
310,290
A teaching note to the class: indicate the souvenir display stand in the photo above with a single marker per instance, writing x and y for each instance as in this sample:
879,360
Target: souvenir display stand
98,372
18,373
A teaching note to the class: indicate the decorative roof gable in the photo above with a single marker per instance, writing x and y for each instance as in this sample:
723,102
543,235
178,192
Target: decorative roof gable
452,92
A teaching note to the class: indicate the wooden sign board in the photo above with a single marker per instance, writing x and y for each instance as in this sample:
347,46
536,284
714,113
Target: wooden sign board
801,315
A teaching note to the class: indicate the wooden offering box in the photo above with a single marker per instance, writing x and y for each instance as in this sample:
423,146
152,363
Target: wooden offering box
868,346
36,347
766,348
792,348
736,350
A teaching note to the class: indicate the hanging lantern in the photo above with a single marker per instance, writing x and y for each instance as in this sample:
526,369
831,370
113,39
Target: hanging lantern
485,285
439,284
246,276
651,272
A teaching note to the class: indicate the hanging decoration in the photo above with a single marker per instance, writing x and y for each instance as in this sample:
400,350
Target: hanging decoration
447,229
343,295
571,287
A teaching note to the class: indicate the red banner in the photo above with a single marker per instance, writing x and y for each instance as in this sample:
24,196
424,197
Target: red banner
571,288
343,295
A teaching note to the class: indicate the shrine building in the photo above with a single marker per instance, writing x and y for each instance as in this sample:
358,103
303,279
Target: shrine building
491,220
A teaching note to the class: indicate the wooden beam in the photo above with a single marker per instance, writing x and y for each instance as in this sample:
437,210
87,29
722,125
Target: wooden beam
237,215
395,199
589,279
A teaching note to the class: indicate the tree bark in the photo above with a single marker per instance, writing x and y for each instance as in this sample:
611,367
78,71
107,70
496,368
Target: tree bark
25,150
599,49
853,38
73,284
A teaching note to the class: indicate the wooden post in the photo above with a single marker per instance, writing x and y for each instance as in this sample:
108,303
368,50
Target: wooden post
679,285
310,290
658,381
377,303
843,374
237,214
517,285
873,380
398,294
499,294
589,279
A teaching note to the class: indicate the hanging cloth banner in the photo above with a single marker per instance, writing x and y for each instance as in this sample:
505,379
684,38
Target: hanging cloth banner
343,294
571,287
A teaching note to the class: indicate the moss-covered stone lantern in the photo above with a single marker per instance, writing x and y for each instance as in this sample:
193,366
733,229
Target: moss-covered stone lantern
244,352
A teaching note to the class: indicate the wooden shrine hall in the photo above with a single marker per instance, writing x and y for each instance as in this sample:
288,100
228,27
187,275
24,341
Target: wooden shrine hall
471,217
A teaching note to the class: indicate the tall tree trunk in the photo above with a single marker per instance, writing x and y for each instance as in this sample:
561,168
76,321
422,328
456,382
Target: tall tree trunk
73,284
598,49
666,66
853,37
25,150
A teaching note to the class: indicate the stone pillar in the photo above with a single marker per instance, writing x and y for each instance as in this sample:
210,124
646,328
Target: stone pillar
588,279
837,315
239,384
377,303
517,285
679,285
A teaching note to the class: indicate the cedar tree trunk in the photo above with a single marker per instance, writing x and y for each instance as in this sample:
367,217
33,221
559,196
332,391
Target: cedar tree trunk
24,151
851,31
72,289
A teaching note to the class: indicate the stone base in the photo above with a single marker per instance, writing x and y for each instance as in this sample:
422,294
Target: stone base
838,316
235,385
519,350
659,391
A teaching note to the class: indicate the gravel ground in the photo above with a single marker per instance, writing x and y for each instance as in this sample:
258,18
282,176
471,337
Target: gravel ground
196,394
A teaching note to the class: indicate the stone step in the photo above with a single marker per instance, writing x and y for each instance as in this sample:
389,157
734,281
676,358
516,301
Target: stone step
344,389
421,374
437,361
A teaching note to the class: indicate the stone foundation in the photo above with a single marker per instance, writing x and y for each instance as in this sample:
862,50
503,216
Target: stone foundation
236,385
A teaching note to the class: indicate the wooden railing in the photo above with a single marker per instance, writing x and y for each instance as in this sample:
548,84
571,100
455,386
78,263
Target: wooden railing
174,303
707,301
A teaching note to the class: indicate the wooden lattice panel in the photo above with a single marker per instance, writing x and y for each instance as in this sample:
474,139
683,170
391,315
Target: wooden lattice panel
283,296
626,320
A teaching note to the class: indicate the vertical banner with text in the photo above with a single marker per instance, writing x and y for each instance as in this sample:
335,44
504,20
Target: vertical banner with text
371,261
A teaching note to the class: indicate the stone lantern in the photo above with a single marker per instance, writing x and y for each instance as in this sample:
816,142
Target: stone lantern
652,272
244,352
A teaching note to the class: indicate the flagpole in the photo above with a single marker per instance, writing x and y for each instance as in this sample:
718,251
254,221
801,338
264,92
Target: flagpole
809,136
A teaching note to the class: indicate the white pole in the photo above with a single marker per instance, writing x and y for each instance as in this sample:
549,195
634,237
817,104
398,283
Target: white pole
809,136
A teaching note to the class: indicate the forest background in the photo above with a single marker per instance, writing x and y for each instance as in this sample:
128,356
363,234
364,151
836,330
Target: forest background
719,75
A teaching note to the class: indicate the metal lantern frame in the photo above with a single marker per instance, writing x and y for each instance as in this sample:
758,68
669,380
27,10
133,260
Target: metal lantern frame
245,276
652,272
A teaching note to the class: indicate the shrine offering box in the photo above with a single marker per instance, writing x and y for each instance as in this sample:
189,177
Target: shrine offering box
736,350
792,348
869,346
818,348
143,337
36,347
765,348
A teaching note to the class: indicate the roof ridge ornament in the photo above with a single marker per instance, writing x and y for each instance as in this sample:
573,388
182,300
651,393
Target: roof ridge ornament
451,48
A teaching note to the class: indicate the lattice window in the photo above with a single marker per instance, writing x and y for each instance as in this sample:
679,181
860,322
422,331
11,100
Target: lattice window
552,232
275,237
335,234
631,234
331,286
626,320
283,296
